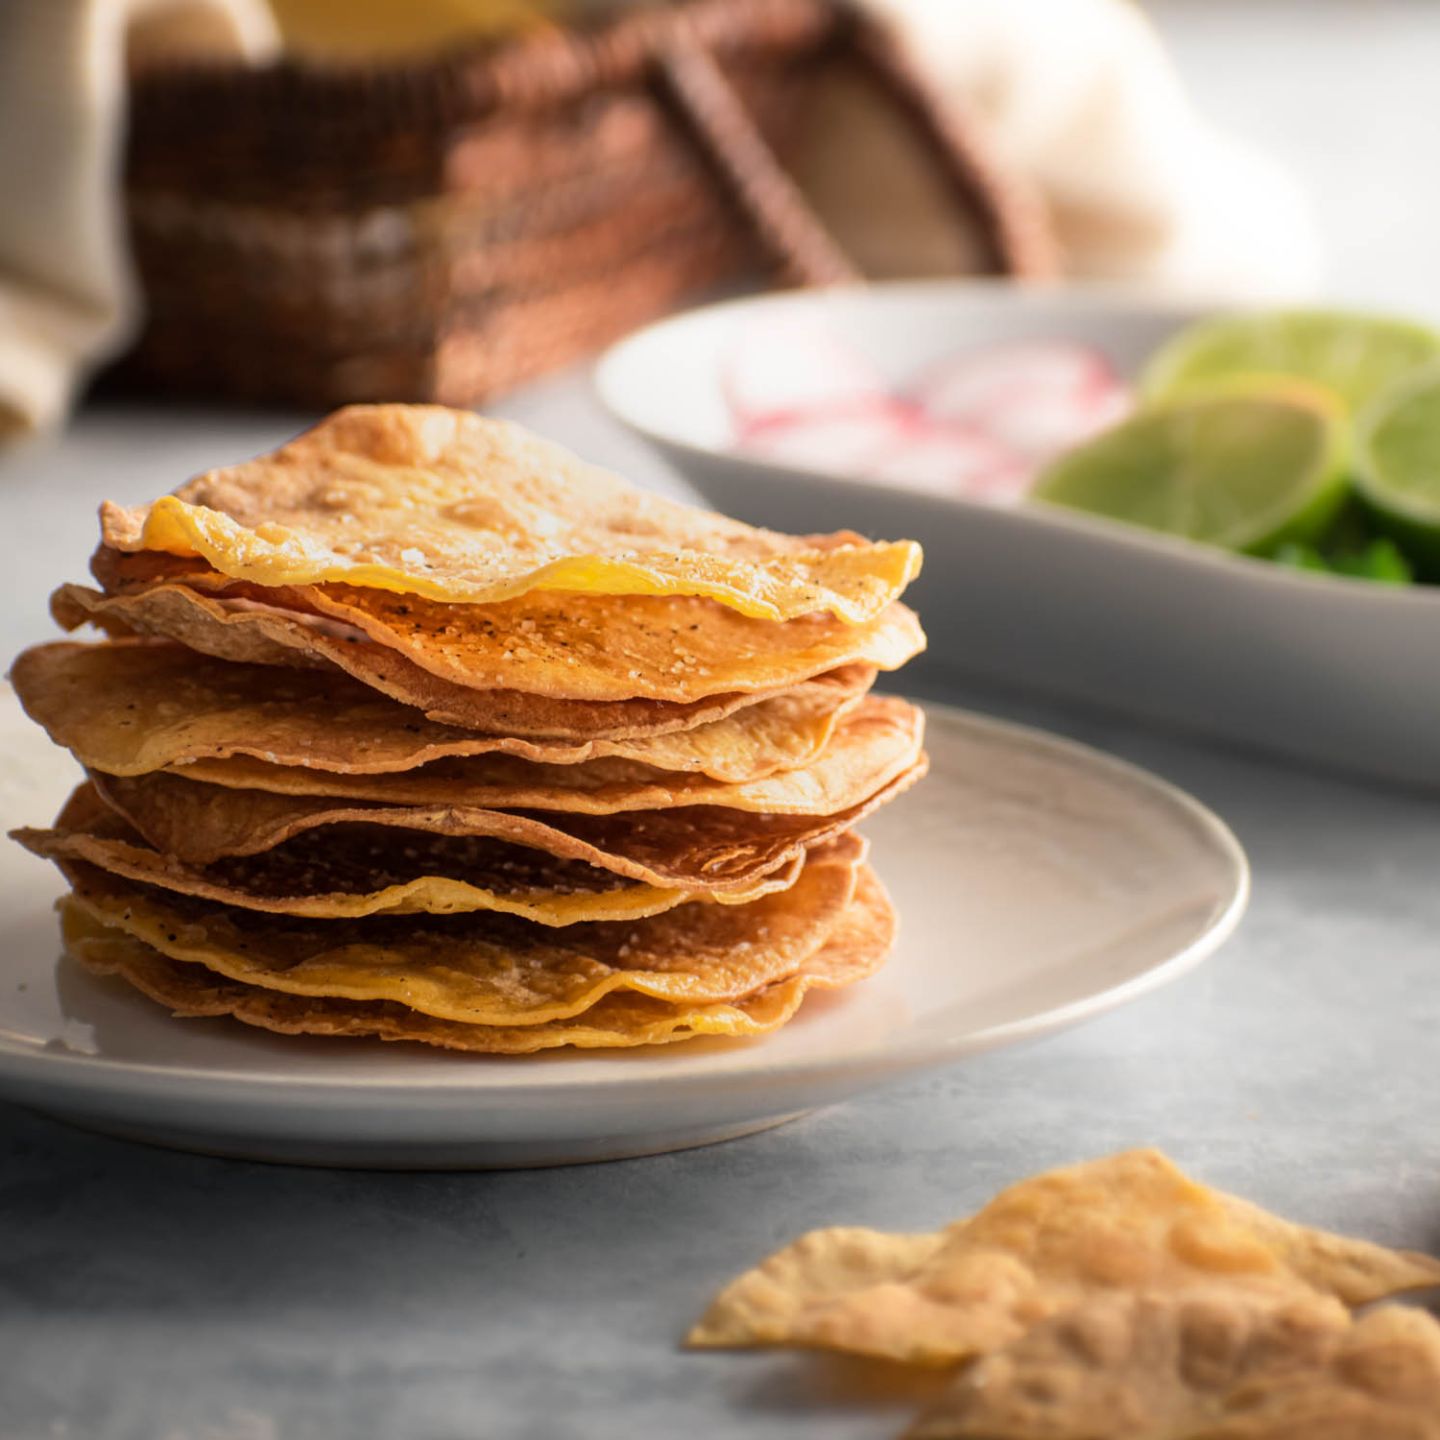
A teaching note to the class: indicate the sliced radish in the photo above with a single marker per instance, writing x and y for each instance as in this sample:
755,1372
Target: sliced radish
1034,396
977,425
950,461
892,444
1044,424
965,387
786,367
845,440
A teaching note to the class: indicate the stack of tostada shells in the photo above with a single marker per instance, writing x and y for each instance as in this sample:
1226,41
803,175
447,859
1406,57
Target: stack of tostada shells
420,728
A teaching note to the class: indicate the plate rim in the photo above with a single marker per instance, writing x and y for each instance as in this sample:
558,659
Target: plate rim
68,1073
1077,298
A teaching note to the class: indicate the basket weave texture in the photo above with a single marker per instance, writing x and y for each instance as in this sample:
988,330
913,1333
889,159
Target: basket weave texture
449,229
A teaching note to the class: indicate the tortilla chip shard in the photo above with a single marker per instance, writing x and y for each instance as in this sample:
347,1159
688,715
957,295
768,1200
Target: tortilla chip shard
442,503
1132,1221
1211,1363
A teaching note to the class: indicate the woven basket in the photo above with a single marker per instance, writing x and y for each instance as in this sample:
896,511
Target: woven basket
445,230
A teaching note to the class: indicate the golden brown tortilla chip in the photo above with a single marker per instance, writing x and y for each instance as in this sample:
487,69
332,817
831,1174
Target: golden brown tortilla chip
1213,1364
174,612
272,637
489,969
564,646
423,500
349,871
130,707
872,745
602,648
703,848
857,947
1383,1383
1132,1221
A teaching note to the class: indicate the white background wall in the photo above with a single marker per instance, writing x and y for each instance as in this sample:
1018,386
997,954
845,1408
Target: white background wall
1347,94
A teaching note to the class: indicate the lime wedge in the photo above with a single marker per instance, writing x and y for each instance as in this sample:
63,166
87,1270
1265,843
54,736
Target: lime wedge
1397,464
1356,356
1246,472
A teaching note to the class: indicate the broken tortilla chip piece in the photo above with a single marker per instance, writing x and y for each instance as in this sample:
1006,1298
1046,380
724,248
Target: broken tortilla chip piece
699,847
129,708
350,871
855,949
1131,1221
483,968
1211,1364
873,744
423,500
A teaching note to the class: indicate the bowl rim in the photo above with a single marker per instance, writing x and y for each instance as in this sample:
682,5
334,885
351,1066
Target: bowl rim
1070,299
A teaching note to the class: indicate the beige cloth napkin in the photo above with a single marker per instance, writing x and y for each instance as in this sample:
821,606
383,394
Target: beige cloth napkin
1080,96
67,299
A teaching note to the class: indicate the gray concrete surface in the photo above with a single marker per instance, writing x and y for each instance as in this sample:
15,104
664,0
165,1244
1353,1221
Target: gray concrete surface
146,1295
154,1296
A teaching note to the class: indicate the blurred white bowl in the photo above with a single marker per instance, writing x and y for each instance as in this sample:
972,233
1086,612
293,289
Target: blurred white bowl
1339,671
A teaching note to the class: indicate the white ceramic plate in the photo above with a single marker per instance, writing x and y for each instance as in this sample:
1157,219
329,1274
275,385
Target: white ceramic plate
1039,883
1340,671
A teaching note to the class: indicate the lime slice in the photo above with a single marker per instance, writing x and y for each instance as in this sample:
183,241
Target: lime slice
1247,472
1356,356
1397,464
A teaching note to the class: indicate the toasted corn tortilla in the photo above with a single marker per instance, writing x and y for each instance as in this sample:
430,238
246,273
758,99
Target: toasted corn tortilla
562,646
856,948
129,708
566,645
1212,1364
872,745
600,648
702,848
271,637
422,500
485,968
174,612
1131,1221
349,871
